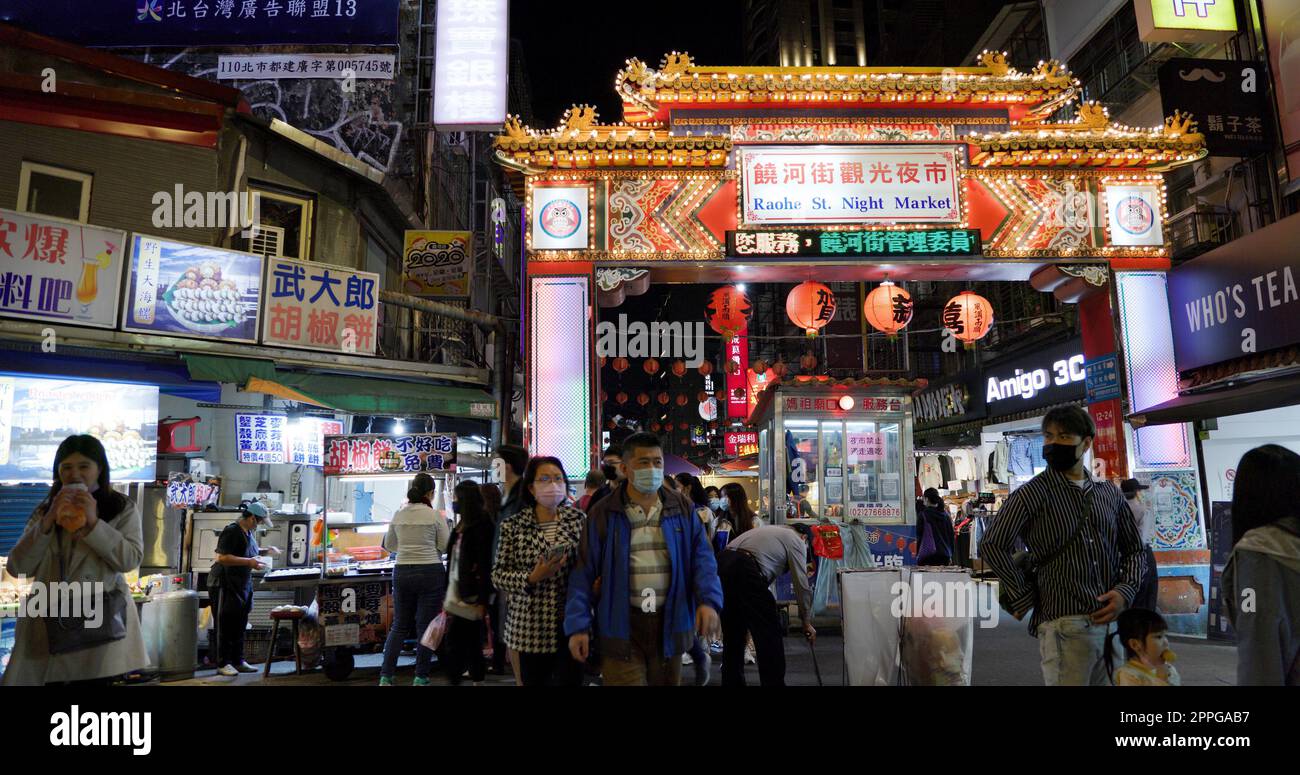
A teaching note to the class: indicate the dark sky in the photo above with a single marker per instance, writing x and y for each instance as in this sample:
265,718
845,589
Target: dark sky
574,49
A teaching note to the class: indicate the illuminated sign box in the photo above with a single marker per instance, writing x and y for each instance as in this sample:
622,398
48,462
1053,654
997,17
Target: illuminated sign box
472,62
1185,21
878,243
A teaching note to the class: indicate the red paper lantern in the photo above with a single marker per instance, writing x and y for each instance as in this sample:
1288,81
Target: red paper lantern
721,395
686,442
655,427
643,399
651,367
968,316
808,362
911,547
780,369
733,367
602,361
810,306
706,368
679,368
888,308
621,398
621,365
727,311
681,399
759,366
901,542
713,426
702,397
604,396
681,426
663,398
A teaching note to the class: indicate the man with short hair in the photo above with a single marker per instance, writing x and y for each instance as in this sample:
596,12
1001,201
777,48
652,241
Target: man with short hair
748,567
646,568
1084,550
610,463
1149,590
595,480
507,469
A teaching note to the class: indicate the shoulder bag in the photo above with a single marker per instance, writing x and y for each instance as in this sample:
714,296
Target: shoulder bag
70,631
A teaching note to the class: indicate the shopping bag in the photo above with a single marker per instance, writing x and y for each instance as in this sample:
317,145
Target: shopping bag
433,635
827,542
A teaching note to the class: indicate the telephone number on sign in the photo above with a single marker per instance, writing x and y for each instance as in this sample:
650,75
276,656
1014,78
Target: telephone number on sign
858,511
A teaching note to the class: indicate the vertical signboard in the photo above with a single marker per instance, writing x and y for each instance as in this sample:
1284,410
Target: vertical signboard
737,377
472,62
559,371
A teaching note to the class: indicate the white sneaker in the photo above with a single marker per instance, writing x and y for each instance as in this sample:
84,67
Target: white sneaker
686,659
244,667
750,659
228,670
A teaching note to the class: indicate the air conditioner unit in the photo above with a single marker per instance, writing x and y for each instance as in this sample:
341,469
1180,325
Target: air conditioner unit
269,242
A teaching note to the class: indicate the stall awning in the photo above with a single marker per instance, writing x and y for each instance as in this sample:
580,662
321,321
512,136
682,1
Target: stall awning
747,463
70,363
1242,399
355,395
674,465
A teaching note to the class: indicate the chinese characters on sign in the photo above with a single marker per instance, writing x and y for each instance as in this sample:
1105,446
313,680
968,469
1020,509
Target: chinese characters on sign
1102,378
59,270
851,184
307,440
352,614
741,444
1227,98
321,307
182,23
865,446
856,244
183,491
175,288
437,263
406,453
832,404
261,438
469,91
737,382
270,67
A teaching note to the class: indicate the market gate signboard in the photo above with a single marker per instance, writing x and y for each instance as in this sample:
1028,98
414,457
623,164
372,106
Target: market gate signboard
877,243
850,184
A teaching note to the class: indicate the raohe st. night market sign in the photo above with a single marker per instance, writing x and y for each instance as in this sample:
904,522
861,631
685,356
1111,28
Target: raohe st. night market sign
875,243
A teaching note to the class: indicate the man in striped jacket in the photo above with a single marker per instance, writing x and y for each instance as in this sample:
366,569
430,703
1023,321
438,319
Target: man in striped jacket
1084,545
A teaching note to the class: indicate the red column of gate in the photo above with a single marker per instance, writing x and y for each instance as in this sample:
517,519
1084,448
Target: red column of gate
1110,454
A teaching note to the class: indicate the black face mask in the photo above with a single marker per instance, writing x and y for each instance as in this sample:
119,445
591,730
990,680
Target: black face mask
1060,457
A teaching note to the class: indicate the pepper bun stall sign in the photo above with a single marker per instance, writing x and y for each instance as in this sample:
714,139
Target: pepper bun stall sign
810,306
59,270
192,290
37,414
408,453
315,306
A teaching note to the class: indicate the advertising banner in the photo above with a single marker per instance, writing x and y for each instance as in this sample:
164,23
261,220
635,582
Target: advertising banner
374,454
1109,457
437,263
60,271
261,437
37,414
191,290
313,306
1051,376
738,383
741,444
1228,99
179,23
271,67
850,184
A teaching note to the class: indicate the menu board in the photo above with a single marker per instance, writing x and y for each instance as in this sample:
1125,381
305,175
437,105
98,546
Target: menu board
37,414
374,454
353,613
261,438
192,290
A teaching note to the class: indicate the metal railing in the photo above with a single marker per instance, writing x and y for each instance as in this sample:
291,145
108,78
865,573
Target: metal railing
407,333
1200,228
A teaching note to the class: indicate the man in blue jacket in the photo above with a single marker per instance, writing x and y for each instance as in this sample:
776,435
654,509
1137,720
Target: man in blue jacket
647,570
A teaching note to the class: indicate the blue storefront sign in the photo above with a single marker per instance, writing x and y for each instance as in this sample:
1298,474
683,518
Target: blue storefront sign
177,23
1102,378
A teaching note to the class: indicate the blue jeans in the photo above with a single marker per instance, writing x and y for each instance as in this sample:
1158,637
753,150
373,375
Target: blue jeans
1071,648
700,660
418,592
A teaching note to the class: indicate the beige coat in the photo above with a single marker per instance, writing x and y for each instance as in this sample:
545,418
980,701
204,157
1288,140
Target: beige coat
104,554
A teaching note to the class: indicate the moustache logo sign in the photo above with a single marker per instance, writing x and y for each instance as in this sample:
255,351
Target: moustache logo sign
1198,73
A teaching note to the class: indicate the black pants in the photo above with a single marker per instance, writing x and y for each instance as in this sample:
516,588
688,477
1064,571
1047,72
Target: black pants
557,668
749,608
499,647
232,608
1149,590
463,649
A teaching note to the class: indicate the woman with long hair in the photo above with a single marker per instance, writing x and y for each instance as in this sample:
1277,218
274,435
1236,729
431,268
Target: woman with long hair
1266,560
419,535
497,607
538,549
83,530
469,567
743,517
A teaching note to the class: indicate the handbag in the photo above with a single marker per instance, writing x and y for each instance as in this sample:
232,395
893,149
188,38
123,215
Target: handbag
827,542
453,603
434,633
71,633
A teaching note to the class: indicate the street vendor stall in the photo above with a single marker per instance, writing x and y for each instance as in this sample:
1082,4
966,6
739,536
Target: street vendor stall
366,479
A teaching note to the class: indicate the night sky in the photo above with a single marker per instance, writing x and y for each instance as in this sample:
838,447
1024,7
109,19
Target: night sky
574,49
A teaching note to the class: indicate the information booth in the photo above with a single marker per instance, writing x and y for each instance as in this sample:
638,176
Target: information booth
838,450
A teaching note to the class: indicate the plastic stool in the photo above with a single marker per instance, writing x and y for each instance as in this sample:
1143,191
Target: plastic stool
293,616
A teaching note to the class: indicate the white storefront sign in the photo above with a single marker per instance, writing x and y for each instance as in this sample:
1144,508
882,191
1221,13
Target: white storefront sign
851,184
270,67
1027,384
559,218
1134,216
469,90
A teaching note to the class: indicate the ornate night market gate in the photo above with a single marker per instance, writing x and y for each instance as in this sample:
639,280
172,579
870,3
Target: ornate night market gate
756,174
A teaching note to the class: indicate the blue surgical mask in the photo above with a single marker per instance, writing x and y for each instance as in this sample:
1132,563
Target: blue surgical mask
648,480
717,504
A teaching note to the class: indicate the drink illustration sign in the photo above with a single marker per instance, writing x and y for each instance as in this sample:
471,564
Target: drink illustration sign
64,271
192,290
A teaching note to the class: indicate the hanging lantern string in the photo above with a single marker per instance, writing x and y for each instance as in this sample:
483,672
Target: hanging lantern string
874,334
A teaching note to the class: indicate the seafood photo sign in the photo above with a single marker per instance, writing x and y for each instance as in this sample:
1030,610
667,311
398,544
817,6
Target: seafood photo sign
191,290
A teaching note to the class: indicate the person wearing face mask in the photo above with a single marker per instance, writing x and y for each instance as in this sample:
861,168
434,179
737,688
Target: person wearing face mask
1084,562
718,504
538,549
647,578
609,466
82,531
507,469
1148,591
